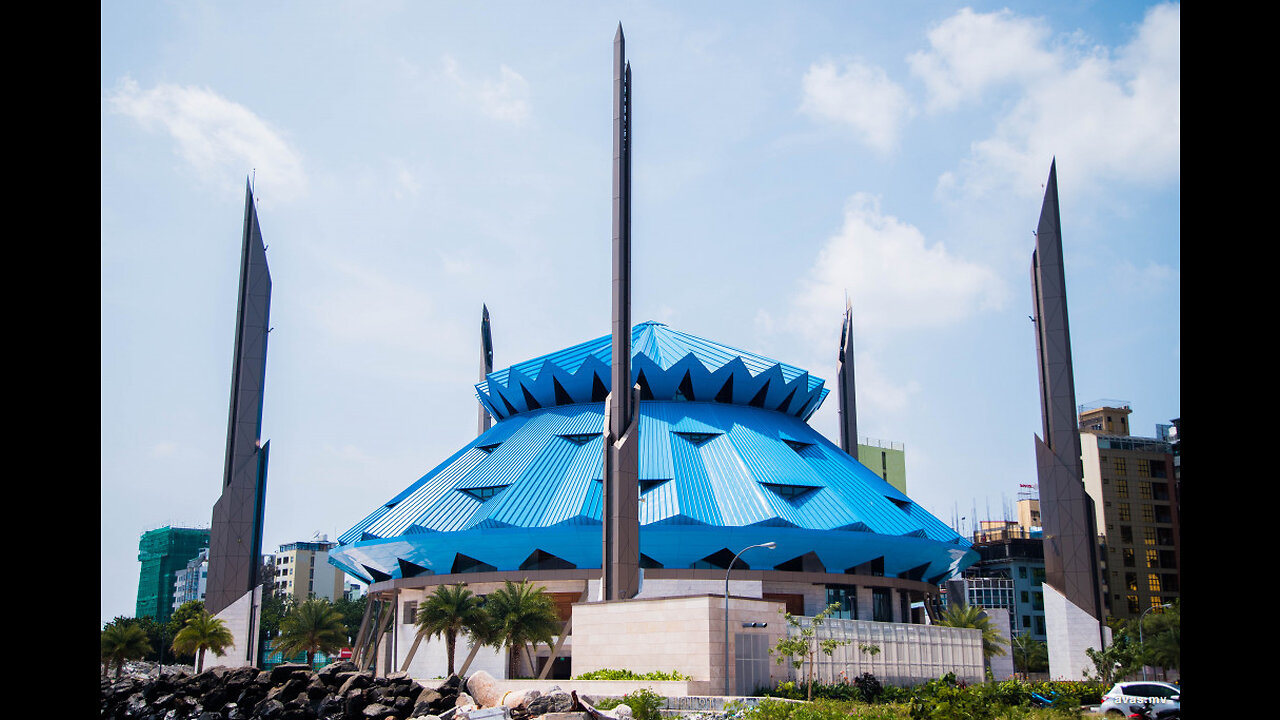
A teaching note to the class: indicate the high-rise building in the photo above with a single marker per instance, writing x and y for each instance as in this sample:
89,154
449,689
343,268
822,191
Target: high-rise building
1132,482
885,458
163,552
190,582
1011,561
302,569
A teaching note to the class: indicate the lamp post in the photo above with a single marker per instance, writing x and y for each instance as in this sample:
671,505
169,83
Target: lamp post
1141,645
771,545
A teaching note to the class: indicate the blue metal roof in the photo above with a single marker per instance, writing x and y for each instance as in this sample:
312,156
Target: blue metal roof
668,364
718,468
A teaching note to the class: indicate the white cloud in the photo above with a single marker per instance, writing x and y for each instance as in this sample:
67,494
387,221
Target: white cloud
1105,115
971,52
505,99
894,278
862,96
219,138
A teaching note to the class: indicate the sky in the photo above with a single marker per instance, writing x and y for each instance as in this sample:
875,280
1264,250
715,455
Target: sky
412,162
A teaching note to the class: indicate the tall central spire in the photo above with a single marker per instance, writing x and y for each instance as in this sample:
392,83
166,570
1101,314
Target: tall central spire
621,512
486,366
845,387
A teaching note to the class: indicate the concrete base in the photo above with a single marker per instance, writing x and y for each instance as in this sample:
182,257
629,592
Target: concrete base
1001,665
1071,631
672,633
242,618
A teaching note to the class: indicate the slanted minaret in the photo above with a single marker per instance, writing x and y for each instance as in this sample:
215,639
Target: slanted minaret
845,388
621,512
486,367
1066,510
235,533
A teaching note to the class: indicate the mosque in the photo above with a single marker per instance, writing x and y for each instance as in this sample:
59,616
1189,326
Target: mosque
726,460
658,519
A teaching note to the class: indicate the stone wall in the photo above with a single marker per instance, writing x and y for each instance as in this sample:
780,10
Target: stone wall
685,634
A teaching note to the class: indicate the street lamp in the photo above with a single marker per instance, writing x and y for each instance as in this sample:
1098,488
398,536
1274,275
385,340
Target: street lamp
1141,644
771,545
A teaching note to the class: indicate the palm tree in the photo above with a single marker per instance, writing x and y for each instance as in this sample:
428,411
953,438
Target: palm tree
451,609
202,632
973,616
1029,655
312,626
123,641
521,614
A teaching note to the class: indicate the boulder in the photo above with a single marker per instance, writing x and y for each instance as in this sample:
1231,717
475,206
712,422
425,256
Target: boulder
519,698
484,689
552,702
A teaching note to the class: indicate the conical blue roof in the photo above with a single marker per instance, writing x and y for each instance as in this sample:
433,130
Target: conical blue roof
725,459
666,363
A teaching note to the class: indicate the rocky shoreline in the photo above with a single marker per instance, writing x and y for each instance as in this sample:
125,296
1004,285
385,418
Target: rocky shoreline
336,692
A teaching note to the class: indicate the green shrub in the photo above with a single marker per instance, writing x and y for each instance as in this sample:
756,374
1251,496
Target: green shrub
645,704
608,674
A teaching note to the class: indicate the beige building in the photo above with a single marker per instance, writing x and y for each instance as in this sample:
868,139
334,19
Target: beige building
302,569
1131,480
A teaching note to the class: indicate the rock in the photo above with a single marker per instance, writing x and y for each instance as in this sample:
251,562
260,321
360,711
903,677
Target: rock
484,689
519,698
284,671
357,681
552,702
623,711
268,709
463,700
376,711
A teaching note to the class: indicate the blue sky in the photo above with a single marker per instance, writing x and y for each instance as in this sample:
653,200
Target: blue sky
415,160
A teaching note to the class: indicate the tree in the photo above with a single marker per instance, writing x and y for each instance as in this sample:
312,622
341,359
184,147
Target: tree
123,641
521,614
973,616
312,626
275,606
1162,638
1029,655
186,611
804,647
352,614
451,609
203,632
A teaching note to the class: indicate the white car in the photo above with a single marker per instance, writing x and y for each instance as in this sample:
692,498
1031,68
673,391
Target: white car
1161,695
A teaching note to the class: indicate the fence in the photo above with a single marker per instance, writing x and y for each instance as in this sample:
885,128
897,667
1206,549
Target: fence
908,654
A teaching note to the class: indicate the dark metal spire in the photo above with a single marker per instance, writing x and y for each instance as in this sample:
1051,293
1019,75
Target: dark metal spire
1066,510
486,366
845,388
621,512
235,533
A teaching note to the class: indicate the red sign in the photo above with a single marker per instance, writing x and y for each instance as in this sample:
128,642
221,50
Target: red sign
344,654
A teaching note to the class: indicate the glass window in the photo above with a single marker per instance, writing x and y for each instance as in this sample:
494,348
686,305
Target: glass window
1153,582
1144,490
845,596
881,607
1148,513
1149,535
1040,625
1124,512
1026,621
1037,601
1128,557
1118,463
1022,572
1122,489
